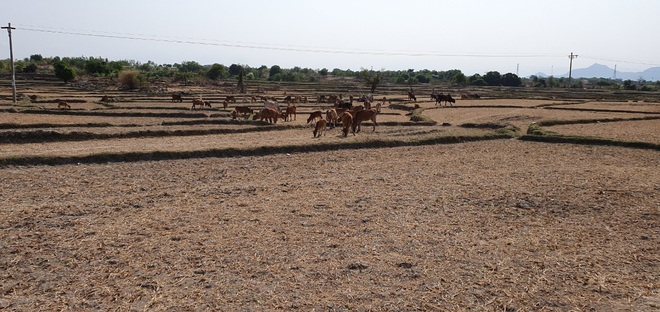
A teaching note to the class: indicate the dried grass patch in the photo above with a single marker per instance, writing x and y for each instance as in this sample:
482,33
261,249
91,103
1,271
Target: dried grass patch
638,130
498,225
650,107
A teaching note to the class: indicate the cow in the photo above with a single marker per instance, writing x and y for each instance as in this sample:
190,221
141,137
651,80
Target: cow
356,109
315,115
290,113
444,98
449,100
270,115
63,105
439,98
364,115
411,96
343,105
367,104
331,117
243,110
347,122
230,98
197,102
177,97
272,105
320,128
225,103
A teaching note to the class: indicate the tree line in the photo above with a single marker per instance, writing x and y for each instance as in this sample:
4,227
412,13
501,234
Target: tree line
133,75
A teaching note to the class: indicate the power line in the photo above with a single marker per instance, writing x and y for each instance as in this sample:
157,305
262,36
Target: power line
620,61
288,48
299,48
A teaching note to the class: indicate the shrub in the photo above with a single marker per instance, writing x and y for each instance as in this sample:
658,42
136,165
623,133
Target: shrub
131,79
217,71
30,68
64,72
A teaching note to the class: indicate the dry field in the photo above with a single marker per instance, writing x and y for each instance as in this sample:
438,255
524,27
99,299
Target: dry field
243,216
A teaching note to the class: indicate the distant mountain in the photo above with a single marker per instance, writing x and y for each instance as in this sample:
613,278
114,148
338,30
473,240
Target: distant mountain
603,71
594,71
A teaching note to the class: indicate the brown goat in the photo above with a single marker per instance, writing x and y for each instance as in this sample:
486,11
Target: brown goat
320,128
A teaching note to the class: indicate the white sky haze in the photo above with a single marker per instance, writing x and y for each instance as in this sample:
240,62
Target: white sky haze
473,36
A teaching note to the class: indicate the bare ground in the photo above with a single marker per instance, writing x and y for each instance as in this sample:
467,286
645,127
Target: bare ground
489,225
502,225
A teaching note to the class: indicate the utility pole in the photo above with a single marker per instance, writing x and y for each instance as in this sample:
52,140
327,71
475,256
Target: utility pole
11,55
570,68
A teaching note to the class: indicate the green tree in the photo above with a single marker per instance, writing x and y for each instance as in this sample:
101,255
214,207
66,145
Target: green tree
36,58
511,80
493,78
541,83
262,72
476,80
628,85
190,67
323,72
64,72
274,70
97,67
235,69
115,67
30,68
372,79
459,78
422,78
217,71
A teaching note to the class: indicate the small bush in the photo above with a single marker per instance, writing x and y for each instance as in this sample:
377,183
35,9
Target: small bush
131,79
64,72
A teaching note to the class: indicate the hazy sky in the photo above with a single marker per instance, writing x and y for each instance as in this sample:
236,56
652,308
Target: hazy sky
473,36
